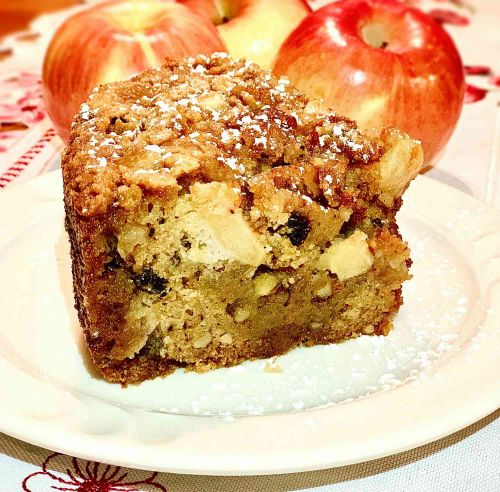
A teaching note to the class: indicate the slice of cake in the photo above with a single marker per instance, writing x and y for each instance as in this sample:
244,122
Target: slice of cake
217,215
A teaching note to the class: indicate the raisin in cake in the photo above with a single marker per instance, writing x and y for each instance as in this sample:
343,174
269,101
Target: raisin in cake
218,215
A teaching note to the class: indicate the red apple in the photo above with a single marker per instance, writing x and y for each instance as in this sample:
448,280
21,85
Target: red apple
382,63
113,41
253,29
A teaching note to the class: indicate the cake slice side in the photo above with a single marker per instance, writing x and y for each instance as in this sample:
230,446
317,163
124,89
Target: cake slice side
216,215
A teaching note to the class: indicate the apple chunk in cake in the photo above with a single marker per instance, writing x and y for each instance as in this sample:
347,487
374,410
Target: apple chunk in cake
217,215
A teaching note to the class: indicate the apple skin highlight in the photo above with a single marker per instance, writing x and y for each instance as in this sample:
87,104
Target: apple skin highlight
114,41
382,64
253,29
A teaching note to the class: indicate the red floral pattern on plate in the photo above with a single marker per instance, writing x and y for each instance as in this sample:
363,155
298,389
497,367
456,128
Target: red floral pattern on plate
62,473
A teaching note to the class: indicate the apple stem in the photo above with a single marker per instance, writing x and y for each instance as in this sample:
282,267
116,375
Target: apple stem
224,12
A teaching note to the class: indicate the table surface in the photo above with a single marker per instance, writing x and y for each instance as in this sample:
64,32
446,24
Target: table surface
465,461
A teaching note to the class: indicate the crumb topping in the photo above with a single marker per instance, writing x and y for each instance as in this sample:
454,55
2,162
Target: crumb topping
210,119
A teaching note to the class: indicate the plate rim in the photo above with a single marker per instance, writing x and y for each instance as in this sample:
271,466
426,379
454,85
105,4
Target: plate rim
251,464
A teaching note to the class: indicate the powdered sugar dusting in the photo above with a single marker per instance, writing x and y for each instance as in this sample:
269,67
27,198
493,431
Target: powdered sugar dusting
208,103
431,326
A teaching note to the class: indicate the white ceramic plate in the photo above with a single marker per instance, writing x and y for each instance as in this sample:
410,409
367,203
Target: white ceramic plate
437,372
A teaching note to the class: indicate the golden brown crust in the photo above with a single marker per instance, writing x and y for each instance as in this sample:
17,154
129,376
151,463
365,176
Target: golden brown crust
235,118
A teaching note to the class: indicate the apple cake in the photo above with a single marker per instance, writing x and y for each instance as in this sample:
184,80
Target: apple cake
217,215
